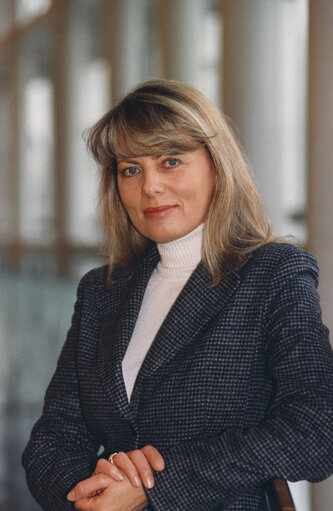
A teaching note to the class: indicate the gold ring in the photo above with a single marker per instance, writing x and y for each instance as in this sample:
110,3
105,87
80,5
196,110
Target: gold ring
110,458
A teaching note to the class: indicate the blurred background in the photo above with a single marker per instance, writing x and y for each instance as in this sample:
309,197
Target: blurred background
63,63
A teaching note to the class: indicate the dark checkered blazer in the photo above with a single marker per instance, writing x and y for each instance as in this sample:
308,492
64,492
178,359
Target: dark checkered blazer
236,389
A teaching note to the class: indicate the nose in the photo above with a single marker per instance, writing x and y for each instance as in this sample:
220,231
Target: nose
152,184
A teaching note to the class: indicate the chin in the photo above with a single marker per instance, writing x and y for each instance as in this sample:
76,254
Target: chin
161,237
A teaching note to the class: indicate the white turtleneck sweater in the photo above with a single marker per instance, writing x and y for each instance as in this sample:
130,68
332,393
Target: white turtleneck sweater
178,259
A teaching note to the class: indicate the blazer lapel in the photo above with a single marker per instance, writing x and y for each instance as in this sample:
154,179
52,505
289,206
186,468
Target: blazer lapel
116,331
193,309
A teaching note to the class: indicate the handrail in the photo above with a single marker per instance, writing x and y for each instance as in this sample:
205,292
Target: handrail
278,495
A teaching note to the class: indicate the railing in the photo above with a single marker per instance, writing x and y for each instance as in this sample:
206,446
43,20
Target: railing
278,496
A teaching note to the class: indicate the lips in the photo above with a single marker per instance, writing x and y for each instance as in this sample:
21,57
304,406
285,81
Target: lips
159,211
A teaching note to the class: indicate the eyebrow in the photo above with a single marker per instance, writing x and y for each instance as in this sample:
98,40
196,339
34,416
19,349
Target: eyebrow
125,160
157,157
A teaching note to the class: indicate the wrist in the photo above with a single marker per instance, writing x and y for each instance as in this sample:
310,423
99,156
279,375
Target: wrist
143,502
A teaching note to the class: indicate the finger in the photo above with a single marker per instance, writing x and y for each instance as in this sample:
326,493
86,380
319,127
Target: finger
154,457
105,467
89,487
125,464
142,465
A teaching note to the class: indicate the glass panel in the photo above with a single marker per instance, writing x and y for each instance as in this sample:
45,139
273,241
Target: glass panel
35,315
80,264
5,16
38,264
36,139
26,10
88,99
7,200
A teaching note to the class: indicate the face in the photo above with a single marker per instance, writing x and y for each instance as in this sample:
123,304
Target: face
169,196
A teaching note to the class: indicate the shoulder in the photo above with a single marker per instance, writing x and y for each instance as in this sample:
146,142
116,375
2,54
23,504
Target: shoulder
281,261
95,295
96,279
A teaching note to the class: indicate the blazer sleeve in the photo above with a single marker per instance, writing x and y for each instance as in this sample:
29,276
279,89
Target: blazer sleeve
295,441
61,450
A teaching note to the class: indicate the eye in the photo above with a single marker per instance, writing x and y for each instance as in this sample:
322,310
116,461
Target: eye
171,162
129,171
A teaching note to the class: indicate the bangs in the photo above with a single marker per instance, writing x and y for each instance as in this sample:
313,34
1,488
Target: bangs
139,128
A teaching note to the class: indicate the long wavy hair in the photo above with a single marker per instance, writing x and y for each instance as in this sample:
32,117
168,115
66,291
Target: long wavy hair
167,117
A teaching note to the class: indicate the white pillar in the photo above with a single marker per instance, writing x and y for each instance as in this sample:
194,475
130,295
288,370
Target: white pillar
264,95
127,32
182,25
320,180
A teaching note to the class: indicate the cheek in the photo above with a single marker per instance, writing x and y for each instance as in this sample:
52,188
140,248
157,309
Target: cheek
208,187
127,198
202,192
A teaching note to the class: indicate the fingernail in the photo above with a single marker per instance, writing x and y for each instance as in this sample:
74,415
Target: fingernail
71,495
120,476
160,465
150,482
137,481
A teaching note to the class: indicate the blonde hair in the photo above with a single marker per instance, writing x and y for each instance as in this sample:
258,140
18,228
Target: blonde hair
166,117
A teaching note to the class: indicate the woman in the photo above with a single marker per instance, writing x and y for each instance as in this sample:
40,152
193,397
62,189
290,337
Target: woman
197,362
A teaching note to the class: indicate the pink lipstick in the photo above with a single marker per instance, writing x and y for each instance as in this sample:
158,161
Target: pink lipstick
159,211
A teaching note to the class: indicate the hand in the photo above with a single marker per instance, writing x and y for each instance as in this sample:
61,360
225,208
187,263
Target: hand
100,492
136,465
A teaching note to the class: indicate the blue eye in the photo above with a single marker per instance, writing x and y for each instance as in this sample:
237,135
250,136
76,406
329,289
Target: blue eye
130,171
172,162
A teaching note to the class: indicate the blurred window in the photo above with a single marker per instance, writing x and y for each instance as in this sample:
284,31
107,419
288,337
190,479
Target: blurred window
87,100
36,215
26,10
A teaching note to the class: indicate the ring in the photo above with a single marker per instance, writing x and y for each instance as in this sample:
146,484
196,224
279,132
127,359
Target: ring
110,458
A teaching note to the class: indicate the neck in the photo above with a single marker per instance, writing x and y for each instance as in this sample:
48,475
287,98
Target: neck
183,252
